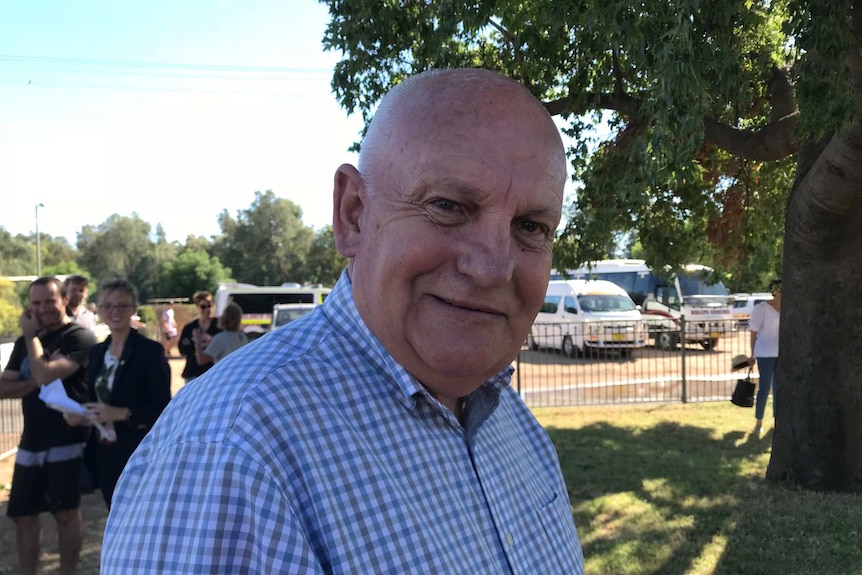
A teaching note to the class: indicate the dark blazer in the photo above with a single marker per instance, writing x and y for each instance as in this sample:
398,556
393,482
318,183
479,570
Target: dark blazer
142,384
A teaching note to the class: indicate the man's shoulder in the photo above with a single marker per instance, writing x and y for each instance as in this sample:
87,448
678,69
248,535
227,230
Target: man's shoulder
76,332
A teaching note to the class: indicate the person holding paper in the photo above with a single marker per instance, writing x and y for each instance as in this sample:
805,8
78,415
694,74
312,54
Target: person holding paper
48,462
129,384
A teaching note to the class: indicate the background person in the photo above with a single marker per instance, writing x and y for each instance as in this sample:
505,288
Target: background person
228,340
77,290
380,432
763,327
198,332
129,383
169,329
48,461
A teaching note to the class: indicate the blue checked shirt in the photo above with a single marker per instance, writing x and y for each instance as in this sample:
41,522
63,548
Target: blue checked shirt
312,451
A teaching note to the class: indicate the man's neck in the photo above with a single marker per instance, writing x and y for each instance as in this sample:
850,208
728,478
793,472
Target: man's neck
74,311
57,326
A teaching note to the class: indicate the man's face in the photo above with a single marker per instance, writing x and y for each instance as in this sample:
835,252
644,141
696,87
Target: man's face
47,305
455,249
77,294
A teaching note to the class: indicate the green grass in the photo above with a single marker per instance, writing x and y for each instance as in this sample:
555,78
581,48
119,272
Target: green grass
680,489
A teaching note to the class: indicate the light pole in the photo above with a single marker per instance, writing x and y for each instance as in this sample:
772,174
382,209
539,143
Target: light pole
38,243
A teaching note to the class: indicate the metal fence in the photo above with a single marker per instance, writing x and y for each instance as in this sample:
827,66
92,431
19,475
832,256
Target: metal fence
604,368
605,371
11,424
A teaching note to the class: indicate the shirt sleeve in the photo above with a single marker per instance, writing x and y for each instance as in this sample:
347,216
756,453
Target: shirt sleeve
77,345
16,358
217,347
755,322
203,508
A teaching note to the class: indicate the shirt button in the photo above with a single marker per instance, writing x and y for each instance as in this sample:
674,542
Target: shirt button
509,539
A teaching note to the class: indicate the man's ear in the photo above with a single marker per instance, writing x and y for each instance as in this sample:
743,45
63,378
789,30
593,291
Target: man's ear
348,201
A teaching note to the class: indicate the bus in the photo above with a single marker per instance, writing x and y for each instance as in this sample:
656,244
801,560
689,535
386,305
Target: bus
693,293
257,302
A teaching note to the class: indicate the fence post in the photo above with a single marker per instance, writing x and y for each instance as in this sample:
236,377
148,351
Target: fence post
682,338
518,372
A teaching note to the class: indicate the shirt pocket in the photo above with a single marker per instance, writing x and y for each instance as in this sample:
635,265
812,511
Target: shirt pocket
562,542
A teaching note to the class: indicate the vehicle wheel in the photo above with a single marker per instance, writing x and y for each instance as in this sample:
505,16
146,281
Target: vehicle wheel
709,344
568,347
531,343
666,340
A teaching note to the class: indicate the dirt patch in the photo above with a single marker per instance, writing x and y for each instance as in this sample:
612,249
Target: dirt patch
93,509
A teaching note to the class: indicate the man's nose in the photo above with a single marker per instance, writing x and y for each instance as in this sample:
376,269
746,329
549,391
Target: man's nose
486,255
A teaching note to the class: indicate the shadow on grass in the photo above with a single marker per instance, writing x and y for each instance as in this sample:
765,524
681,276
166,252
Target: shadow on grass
674,499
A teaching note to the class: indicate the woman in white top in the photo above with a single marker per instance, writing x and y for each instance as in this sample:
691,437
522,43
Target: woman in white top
763,326
226,341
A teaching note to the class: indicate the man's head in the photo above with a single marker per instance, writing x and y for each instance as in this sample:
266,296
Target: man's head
449,224
48,302
76,289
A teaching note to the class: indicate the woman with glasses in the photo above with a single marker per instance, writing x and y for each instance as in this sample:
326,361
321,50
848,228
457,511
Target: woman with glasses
129,383
198,333
763,326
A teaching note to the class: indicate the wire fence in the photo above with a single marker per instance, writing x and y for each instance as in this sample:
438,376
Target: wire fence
583,364
602,365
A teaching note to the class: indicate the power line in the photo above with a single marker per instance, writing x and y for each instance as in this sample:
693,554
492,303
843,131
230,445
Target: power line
98,63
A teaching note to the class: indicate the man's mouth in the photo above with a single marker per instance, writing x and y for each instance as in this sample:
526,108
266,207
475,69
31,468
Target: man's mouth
470,306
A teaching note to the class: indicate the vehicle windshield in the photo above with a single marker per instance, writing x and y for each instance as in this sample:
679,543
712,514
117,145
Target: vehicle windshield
287,315
696,284
606,303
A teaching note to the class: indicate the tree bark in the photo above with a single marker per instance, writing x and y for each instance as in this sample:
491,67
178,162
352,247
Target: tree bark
818,400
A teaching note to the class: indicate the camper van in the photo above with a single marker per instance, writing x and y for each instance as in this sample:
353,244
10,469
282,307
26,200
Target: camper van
580,316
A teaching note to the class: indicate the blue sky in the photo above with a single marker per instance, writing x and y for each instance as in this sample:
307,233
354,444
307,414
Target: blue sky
174,110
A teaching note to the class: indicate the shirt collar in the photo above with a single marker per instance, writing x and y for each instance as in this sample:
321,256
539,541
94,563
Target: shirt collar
340,308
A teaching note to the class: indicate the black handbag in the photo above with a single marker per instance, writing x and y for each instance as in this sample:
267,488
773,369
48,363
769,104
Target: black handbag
743,394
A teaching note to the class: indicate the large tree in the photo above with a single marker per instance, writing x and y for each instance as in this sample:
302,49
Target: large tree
265,244
324,264
120,246
191,271
716,111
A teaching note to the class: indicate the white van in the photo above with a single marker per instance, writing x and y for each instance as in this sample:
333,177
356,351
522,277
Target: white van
743,304
579,316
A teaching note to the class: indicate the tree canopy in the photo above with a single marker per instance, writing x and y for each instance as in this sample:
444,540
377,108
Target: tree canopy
734,140
268,244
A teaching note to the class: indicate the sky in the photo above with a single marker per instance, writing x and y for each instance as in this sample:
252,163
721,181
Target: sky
174,110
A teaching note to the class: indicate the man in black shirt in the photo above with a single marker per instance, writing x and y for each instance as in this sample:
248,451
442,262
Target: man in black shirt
48,462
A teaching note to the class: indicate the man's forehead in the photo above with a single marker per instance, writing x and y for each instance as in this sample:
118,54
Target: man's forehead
44,292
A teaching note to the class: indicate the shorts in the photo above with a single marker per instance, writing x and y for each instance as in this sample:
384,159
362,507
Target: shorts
46,481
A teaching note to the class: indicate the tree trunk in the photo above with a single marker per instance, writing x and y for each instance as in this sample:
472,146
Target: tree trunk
818,432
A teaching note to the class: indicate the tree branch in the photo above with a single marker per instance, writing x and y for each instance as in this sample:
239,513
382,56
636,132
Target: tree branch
774,141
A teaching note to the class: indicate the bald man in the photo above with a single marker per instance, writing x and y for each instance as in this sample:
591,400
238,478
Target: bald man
380,433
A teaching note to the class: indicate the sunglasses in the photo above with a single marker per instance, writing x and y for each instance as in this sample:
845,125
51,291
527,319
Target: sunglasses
205,305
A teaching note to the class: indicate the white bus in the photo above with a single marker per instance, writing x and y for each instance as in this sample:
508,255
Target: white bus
257,302
704,301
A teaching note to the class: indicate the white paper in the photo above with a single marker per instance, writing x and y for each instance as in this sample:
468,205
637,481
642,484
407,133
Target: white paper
54,395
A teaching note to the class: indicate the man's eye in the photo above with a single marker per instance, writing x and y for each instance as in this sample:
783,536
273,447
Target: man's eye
532,227
444,204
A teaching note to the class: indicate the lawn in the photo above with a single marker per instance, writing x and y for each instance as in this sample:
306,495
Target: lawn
679,489
657,489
